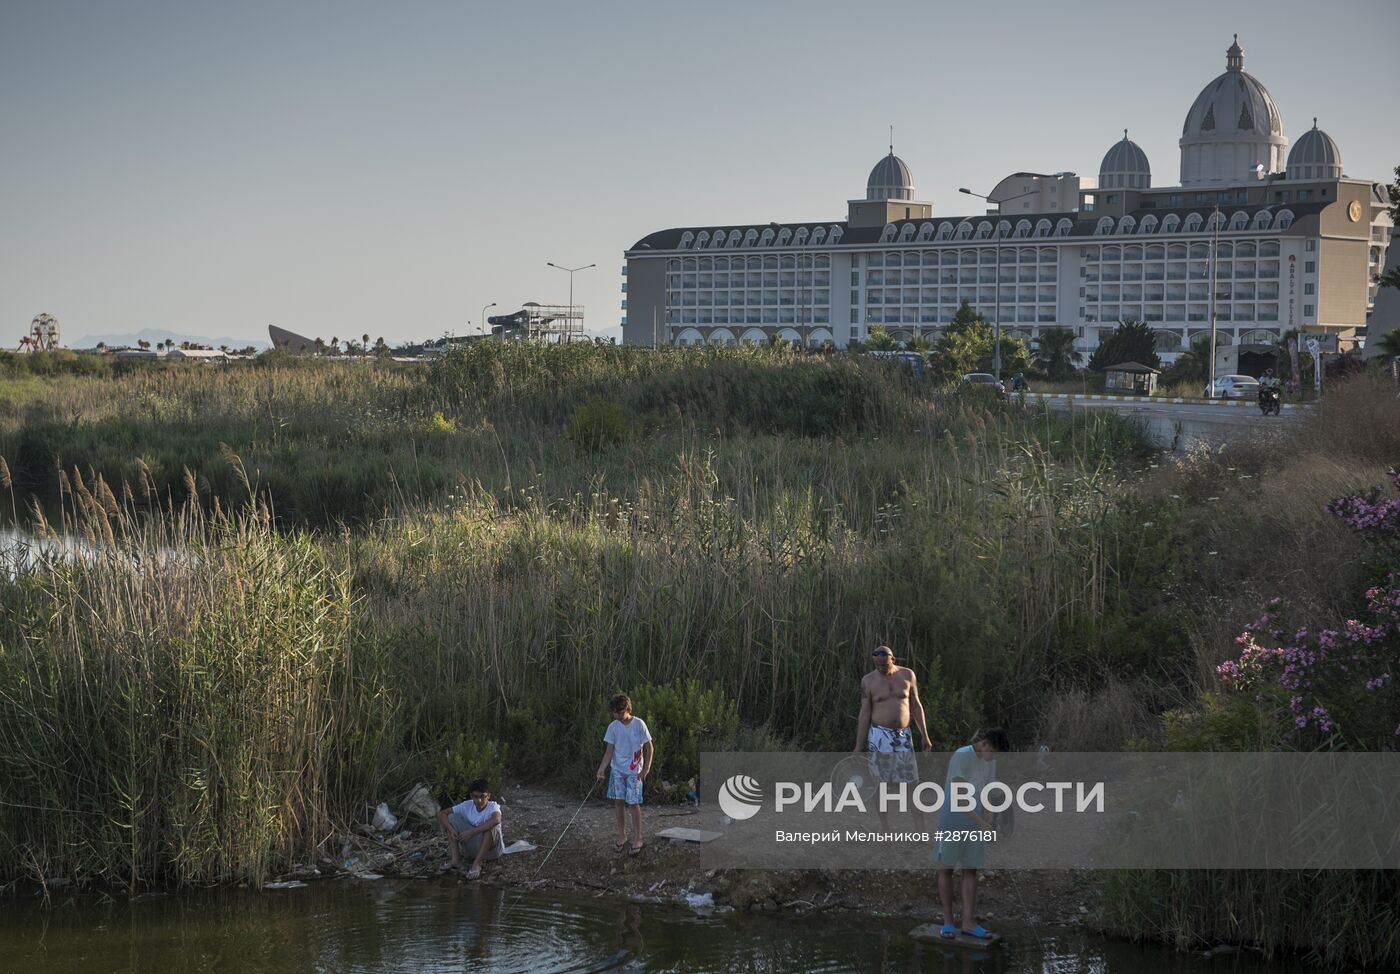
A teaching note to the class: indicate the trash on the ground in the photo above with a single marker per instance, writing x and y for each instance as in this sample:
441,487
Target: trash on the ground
285,884
367,875
420,803
349,864
385,820
689,835
700,901
519,845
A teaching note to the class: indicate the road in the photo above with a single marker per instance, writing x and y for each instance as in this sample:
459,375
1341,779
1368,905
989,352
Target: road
1182,425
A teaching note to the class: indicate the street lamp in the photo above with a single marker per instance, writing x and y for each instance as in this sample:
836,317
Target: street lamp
483,317
572,271
996,325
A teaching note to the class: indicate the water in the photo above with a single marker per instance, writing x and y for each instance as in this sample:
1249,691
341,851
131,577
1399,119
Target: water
351,927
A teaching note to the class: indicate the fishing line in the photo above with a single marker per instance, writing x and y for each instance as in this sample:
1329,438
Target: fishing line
521,892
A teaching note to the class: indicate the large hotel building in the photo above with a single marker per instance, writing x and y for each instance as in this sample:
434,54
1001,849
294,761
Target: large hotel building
1297,245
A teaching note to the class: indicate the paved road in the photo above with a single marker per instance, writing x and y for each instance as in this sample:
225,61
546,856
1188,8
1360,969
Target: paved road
1181,425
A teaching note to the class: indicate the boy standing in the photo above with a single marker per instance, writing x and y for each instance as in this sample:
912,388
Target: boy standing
976,764
475,826
627,761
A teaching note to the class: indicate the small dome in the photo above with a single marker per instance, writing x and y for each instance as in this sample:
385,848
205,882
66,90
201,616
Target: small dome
1125,166
890,180
1315,156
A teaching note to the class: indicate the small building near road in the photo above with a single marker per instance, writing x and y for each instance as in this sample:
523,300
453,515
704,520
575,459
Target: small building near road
197,354
1131,377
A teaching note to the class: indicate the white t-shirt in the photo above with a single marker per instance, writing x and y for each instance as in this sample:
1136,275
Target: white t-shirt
467,810
627,740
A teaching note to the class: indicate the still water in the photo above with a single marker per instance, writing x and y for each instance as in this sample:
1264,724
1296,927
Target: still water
407,926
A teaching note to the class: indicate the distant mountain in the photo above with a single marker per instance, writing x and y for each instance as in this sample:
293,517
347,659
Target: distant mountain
155,335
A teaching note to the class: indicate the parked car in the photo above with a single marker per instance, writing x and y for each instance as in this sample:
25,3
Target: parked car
1234,387
985,380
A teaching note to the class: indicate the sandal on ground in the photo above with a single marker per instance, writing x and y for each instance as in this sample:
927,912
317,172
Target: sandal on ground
636,850
949,932
619,846
980,932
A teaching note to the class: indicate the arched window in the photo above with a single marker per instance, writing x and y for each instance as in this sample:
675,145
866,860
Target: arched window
1171,223
906,232
1042,228
818,235
766,239
1215,222
750,237
784,235
734,238
800,238
926,231
964,231
1285,219
1023,229
1105,226
835,235
1263,220
1064,228
702,239
984,230
1240,221
1149,224
888,233
1192,224
945,231
1003,229
1127,224
686,239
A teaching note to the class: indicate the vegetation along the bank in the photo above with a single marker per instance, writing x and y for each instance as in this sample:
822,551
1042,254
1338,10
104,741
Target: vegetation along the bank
303,584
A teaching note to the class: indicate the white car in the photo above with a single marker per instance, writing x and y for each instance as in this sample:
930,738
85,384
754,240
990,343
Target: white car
1234,387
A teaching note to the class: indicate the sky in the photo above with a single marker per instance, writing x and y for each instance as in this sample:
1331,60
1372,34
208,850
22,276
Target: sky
387,169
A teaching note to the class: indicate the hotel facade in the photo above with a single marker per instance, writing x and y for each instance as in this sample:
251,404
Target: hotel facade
1297,244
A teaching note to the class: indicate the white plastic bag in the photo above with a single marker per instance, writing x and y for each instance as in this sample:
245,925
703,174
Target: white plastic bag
384,820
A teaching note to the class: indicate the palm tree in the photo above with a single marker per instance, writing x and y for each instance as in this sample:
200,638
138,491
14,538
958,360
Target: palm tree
1389,343
1055,354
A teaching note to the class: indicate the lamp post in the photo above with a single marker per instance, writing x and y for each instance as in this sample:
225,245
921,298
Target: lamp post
996,324
483,317
572,271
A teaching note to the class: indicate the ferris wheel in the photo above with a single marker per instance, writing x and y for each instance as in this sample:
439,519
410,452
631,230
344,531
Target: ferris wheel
43,334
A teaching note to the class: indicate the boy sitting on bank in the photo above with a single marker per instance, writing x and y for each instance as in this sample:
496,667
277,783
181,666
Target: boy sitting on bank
629,755
473,827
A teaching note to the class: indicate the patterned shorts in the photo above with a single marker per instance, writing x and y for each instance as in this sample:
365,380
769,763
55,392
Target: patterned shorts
891,751
624,787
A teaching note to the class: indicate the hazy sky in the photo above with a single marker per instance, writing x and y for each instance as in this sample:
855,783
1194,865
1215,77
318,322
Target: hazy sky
342,168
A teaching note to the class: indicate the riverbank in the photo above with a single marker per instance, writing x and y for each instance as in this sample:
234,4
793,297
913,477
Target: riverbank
672,871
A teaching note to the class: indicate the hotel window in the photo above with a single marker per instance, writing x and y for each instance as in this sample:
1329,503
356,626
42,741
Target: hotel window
1310,246
855,320
1304,195
1307,311
1310,267
1309,288
855,278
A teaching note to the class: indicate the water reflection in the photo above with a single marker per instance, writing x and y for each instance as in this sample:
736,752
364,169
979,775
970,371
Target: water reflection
403,926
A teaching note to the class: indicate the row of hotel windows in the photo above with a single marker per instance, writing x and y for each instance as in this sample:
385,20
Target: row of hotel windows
1195,312
721,299
1181,271
1106,226
1180,251
770,262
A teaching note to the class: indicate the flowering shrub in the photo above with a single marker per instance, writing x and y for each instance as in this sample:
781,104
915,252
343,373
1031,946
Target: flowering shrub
1371,513
1338,682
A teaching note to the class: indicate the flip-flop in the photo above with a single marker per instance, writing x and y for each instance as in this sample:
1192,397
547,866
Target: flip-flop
980,932
636,850
619,846
949,932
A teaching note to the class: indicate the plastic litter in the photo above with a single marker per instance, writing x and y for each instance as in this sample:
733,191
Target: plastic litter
700,901
519,845
285,884
384,820
420,803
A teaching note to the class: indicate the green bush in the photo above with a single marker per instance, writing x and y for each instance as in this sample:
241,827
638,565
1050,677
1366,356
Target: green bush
1220,723
534,745
463,762
597,424
684,719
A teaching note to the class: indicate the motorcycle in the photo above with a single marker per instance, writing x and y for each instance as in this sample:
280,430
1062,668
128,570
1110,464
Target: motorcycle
1269,401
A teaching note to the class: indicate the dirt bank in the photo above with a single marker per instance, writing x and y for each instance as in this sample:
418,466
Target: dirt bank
666,871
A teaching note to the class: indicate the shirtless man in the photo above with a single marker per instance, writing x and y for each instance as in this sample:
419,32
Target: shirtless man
889,696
